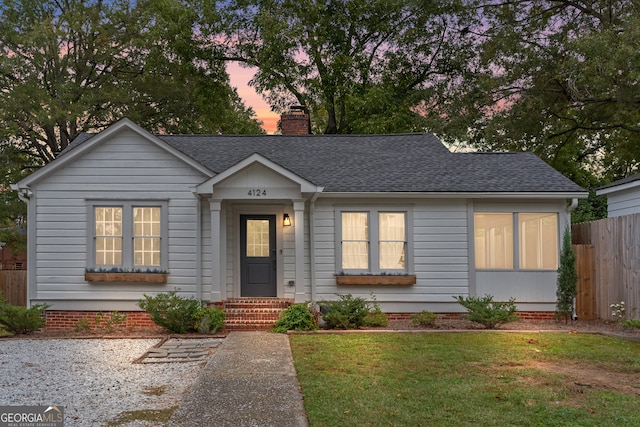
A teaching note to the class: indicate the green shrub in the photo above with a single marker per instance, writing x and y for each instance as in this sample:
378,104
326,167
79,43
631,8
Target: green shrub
631,323
110,322
171,311
345,313
22,320
296,317
83,325
424,318
375,317
485,311
209,320
567,279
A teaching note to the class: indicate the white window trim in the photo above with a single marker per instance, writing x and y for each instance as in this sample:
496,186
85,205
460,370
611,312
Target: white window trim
127,232
374,229
516,239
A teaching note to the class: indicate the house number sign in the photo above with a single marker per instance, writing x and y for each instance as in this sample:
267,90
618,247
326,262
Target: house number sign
257,192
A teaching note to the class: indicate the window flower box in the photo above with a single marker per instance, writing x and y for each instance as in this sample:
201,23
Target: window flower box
125,277
383,279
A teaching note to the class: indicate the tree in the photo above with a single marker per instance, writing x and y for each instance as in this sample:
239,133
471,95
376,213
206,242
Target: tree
560,78
13,212
567,279
68,66
359,66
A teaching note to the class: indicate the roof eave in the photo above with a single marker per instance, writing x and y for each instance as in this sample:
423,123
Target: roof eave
616,188
459,195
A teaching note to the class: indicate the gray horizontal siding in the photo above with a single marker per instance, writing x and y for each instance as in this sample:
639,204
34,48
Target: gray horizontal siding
440,255
130,168
624,203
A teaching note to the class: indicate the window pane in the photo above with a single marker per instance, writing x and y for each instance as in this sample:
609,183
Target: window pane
355,255
392,255
392,240
146,251
538,241
493,236
355,226
355,240
146,236
257,238
108,235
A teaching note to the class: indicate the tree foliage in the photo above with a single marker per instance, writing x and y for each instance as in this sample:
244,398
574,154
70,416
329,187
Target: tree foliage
71,66
14,166
360,66
560,78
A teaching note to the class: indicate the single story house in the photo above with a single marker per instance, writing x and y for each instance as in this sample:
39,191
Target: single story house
297,217
623,196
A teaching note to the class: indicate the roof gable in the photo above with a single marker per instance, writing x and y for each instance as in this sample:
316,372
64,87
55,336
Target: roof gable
248,166
87,142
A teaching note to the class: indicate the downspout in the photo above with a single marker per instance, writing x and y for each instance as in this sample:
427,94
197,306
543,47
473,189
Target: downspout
571,208
312,250
198,245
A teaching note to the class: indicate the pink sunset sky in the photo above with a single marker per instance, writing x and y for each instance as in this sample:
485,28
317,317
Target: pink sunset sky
240,77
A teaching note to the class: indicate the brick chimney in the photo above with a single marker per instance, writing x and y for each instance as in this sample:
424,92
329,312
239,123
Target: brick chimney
296,122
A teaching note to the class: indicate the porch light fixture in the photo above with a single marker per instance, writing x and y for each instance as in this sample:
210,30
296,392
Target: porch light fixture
287,220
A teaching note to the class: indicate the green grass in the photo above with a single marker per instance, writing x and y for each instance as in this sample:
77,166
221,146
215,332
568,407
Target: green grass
479,379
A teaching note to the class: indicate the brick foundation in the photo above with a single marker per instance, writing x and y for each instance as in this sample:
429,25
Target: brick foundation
536,315
69,320
253,317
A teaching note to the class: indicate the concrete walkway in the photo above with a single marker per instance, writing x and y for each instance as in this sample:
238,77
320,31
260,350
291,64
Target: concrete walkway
248,381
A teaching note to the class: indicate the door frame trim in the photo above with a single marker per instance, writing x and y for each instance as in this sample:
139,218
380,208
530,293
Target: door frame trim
255,209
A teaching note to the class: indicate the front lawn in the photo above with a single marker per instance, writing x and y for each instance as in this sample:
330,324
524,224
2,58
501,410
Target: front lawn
471,378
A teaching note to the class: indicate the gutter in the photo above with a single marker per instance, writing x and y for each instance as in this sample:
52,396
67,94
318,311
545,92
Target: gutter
23,193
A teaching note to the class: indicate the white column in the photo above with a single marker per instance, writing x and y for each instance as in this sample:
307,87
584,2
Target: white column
298,224
216,251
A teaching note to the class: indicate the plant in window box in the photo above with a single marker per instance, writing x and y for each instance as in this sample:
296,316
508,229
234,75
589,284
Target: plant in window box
375,279
116,274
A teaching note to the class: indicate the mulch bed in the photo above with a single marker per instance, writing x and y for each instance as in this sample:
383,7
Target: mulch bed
576,326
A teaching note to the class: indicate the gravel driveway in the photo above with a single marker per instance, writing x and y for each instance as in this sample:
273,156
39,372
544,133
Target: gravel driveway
93,379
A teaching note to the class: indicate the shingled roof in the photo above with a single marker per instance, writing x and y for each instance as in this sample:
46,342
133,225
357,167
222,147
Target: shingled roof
376,163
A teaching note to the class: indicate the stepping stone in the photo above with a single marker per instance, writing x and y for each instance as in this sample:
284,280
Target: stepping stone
198,354
157,352
170,345
189,346
177,355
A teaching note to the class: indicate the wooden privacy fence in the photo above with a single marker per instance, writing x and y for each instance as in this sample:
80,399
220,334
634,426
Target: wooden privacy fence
13,285
586,286
608,254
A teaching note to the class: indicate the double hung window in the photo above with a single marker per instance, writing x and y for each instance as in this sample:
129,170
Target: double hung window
373,241
128,235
